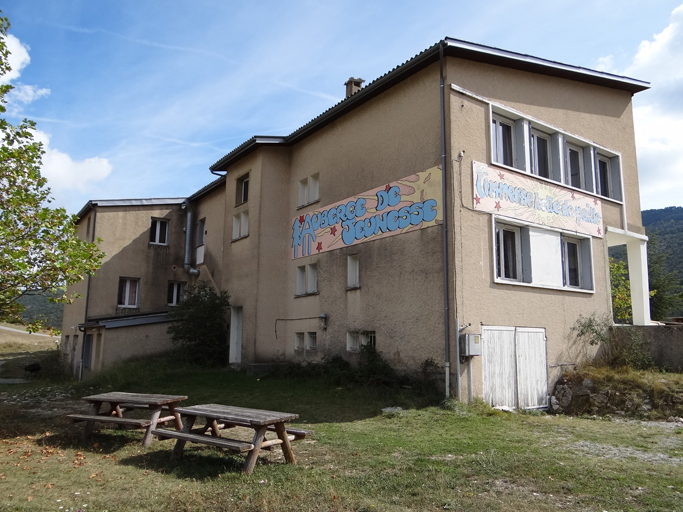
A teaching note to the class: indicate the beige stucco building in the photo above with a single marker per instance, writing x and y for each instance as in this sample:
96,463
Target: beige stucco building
469,185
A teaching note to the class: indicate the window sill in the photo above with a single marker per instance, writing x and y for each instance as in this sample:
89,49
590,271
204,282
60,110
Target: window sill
119,306
305,295
557,183
242,203
157,244
307,204
351,288
544,287
240,238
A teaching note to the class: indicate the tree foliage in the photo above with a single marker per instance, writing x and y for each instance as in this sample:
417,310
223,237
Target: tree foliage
199,323
621,292
40,249
665,284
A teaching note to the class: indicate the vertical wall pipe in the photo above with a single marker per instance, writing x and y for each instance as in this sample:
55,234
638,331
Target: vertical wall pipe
445,230
188,242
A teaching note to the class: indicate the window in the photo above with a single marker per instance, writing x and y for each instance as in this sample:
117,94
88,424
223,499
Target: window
158,233
540,154
311,340
353,271
242,193
542,257
574,162
240,225
309,190
502,141
355,340
86,354
367,338
307,279
128,292
508,252
604,179
175,293
298,341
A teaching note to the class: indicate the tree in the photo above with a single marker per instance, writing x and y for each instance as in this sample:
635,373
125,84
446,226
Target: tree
40,249
621,291
665,290
199,323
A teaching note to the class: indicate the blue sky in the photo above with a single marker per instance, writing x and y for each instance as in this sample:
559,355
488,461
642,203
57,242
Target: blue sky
138,99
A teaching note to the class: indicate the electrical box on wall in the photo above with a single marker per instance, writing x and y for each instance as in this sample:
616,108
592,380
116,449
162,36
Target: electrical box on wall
470,345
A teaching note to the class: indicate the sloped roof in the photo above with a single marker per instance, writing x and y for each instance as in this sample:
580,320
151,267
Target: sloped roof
452,48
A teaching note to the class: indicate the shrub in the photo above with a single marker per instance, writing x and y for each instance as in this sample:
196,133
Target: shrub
199,324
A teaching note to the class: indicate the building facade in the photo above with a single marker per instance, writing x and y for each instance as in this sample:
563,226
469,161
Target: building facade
469,190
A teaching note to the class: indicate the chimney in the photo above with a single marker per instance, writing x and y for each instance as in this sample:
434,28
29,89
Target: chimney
353,85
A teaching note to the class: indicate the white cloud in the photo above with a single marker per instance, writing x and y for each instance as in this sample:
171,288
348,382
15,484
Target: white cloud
658,124
18,59
63,173
606,64
26,93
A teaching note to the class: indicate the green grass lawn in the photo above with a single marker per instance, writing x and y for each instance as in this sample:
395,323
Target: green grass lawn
426,458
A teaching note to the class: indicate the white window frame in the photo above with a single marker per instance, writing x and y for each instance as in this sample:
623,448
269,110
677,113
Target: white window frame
500,229
568,147
368,338
565,261
242,189
155,232
309,190
311,340
298,341
353,271
201,228
127,292
177,292
497,141
352,341
535,135
240,225
306,280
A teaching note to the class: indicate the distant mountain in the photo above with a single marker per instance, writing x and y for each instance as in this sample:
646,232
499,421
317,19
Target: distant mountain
38,306
666,225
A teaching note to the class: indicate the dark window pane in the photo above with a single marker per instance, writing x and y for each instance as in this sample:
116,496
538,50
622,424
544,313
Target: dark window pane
153,232
163,228
574,168
498,253
510,254
542,157
122,292
506,141
132,292
603,171
169,295
245,191
572,264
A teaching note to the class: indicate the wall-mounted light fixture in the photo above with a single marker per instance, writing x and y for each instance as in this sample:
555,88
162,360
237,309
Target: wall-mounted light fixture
323,321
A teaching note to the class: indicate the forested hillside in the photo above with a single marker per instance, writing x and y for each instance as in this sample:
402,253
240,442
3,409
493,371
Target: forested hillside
667,225
38,306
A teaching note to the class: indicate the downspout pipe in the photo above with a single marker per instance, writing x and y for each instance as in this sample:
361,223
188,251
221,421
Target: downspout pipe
446,307
188,241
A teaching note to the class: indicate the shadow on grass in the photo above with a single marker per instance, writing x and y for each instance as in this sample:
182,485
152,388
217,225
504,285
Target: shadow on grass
99,442
197,462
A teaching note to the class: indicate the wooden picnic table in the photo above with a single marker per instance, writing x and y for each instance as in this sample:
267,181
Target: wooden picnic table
219,417
120,402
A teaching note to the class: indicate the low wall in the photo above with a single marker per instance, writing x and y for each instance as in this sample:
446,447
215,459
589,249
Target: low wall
666,343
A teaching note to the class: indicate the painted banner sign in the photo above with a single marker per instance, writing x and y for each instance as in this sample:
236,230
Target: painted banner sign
399,207
515,195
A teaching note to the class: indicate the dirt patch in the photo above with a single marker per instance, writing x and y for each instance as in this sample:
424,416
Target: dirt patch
624,452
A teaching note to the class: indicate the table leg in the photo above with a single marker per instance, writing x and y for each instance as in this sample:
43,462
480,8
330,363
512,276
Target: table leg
177,422
147,440
180,444
94,411
253,454
286,447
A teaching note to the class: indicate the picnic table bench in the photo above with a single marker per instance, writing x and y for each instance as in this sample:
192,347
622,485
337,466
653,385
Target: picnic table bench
220,417
120,402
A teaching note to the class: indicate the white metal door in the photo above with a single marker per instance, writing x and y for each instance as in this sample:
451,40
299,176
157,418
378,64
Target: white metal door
499,365
235,335
514,364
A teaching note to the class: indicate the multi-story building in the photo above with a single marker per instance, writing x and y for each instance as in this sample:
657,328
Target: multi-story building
470,189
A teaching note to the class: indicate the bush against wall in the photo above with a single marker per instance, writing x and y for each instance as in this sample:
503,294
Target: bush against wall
199,324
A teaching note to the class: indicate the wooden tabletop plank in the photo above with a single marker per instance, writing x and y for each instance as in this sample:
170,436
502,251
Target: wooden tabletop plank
229,413
134,398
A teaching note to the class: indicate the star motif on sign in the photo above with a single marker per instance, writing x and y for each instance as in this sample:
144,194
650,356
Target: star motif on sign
595,201
387,188
599,232
498,206
320,247
302,218
573,195
477,200
333,230
501,175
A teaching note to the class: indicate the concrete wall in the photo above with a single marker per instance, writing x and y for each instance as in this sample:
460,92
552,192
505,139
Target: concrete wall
665,343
